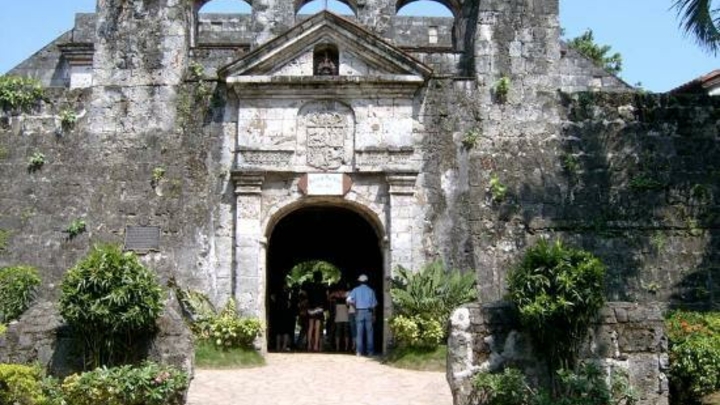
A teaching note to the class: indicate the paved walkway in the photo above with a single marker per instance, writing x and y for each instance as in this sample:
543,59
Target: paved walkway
319,379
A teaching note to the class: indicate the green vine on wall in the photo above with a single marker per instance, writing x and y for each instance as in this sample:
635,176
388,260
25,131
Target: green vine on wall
497,189
19,93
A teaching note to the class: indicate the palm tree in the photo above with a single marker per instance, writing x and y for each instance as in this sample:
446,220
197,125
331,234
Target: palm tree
698,18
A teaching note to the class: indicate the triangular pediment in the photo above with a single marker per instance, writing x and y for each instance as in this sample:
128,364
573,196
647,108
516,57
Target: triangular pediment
361,53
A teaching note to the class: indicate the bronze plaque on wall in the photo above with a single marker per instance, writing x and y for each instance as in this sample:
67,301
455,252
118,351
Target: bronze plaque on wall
142,238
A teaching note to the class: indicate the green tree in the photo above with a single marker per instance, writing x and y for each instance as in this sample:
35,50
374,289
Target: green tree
111,301
699,19
558,291
599,54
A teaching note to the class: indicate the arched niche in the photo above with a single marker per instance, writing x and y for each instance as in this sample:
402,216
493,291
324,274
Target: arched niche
309,7
326,60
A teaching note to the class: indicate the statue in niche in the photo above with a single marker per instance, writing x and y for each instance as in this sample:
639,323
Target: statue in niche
326,132
326,60
326,67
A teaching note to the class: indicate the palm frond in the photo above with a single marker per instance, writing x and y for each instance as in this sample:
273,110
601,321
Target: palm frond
698,19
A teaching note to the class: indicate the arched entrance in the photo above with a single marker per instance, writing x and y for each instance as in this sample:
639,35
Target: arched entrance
337,235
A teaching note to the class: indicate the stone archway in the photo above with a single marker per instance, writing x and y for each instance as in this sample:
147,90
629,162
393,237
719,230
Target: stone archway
331,233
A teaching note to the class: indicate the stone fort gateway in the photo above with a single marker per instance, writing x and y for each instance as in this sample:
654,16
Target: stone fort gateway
227,148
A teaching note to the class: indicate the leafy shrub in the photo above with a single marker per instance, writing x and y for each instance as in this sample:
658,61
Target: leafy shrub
506,388
3,329
694,354
148,384
19,93
587,386
417,331
110,300
23,385
228,329
429,296
558,292
18,286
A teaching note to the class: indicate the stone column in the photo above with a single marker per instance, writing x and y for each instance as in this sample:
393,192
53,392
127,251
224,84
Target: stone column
249,276
402,217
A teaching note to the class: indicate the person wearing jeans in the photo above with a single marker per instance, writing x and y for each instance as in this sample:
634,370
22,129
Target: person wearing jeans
363,299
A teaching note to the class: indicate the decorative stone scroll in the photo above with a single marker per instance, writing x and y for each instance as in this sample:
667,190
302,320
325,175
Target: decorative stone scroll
385,158
276,158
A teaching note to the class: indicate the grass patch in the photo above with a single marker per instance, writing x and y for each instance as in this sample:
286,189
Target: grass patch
418,359
207,355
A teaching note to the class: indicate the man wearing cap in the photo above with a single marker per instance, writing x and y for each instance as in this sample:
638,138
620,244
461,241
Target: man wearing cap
363,298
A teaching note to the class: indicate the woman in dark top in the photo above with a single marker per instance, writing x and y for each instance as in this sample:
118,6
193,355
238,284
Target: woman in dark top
317,300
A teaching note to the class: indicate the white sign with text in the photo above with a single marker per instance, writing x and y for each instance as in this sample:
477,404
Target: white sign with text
325,184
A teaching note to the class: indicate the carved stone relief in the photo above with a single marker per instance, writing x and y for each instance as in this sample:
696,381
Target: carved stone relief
329,133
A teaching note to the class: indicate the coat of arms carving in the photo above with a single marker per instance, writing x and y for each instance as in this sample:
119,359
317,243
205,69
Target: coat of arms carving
326,131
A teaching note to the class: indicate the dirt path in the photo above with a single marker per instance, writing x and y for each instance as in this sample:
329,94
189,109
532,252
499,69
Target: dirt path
319,379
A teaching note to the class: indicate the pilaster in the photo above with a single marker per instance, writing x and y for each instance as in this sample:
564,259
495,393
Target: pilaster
403,211
249,244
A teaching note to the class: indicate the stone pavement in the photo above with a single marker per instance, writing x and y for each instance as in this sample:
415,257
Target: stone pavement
319,379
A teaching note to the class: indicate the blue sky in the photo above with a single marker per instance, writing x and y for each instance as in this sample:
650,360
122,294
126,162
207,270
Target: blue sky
645,32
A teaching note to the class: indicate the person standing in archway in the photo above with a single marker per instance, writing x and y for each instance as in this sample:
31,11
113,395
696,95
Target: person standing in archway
317,301
364,300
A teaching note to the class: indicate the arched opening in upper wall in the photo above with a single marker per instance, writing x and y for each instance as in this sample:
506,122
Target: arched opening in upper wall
427,8
221,21
429,23
310,7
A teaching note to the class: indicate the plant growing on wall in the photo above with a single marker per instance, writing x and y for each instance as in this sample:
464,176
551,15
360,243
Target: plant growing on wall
502,89
158,174
497,189
68,118
19,93
598,54
76,227
557,291
36,162
4,239
111,301
471,138
18,286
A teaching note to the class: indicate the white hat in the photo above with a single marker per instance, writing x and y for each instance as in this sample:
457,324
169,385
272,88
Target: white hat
363,278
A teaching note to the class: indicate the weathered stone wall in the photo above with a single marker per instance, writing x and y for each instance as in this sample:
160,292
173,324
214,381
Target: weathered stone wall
41,336
626,336
630,177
